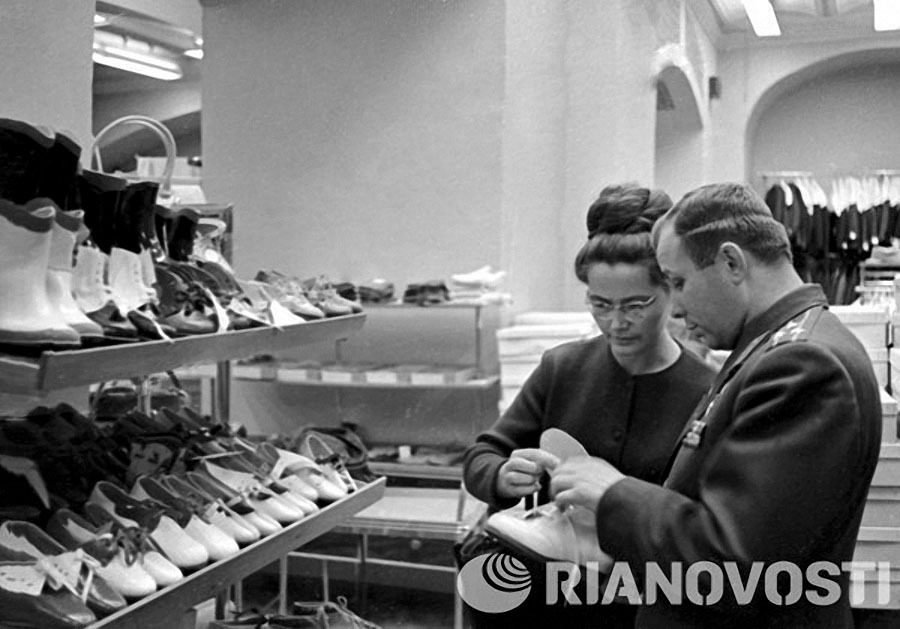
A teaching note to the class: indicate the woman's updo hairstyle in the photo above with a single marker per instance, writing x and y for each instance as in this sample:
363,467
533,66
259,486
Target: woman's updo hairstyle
618,225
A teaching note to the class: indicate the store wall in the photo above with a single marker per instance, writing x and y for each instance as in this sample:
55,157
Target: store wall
413,140
754,78
679,156
165,101
844,122
571,70
46,76
358,140
46,71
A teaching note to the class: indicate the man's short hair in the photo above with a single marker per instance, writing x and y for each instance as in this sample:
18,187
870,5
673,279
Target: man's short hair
726,212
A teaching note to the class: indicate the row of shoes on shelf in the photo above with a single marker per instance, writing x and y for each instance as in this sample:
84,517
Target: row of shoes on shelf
478,286
97,516
90,258
304,615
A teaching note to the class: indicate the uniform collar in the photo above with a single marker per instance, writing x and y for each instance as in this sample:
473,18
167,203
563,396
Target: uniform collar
795,302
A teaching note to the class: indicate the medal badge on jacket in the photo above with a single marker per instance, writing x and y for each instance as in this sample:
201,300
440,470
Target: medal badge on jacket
694,436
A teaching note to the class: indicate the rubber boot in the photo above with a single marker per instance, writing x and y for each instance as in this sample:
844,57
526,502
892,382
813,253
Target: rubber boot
100,199
60,169
134,214
94,297
59,275
131,295
23,154
27,316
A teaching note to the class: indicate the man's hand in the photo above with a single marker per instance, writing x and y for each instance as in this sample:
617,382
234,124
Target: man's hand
582,481
521,474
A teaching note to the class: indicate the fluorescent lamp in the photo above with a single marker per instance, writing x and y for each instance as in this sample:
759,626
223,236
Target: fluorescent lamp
133,55
887,15
762,18
137,68
195,53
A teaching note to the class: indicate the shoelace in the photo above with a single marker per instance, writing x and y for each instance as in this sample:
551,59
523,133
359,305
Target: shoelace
135,542
362,623
57,578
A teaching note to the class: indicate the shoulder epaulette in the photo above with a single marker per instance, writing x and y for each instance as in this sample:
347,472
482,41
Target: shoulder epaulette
797,329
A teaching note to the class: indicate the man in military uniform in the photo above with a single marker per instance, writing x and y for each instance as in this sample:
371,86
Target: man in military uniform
775,463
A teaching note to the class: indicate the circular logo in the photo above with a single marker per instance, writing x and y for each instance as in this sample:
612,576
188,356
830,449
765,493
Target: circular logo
494,583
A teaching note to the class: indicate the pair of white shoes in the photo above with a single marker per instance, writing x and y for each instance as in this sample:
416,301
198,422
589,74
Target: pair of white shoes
300,473
329,481
279,503
219,542
484,277
548,533
181,548
134,572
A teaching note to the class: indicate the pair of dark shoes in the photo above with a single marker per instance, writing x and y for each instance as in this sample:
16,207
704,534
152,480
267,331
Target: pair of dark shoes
305,615
426,293
376,292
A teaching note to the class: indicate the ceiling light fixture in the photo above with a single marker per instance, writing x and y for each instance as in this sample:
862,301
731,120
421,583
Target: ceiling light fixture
887,15
762,18
133,56
194,53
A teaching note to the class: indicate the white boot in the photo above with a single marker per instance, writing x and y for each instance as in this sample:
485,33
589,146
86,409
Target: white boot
93,296
59,274
27,316
88,279
126,280
148,274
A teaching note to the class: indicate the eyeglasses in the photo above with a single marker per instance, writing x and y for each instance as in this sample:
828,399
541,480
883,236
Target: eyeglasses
633,310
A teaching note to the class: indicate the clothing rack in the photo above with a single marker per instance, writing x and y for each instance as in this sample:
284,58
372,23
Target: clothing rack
798,174
841,265
784,174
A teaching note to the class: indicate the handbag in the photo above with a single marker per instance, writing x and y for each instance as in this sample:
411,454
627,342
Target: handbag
476,542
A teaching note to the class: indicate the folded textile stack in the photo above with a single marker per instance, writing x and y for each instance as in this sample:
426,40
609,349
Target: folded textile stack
532,333
478,287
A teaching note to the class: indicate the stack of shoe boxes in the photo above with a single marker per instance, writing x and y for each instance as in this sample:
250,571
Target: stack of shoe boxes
894,354
521,345
879,536
872,326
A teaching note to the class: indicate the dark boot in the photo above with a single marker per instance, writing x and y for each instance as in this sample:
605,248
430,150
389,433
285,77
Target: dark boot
137,204
60,169
181,237
100,198
23,154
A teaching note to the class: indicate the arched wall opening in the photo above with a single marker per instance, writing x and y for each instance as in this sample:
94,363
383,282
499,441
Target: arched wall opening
831,118
678,158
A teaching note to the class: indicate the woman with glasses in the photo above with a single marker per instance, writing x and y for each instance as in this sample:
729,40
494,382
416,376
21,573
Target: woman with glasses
625,395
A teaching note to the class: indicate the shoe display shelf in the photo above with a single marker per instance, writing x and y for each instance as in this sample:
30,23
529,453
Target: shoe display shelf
54,370
414,513
160,609
71,368
435,414
447,415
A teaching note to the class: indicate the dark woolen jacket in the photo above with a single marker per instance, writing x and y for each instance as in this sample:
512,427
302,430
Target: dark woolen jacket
631,421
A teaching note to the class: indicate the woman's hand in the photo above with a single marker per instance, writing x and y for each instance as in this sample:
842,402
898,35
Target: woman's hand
521,474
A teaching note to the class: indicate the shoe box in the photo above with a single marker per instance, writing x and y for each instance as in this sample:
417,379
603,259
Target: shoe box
878,544
872,326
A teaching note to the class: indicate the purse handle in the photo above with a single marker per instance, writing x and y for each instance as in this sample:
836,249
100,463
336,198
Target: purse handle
168,140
